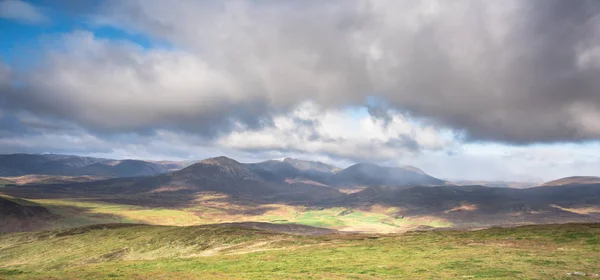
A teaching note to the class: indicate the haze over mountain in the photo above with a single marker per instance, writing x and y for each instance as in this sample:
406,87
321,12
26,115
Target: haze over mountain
361,174
68,165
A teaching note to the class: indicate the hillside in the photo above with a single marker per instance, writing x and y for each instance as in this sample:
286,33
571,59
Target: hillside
223,190
575,180
498,184
21,215
238,252
365,174
358,175
15,165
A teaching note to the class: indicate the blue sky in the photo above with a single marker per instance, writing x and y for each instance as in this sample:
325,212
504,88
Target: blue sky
402,82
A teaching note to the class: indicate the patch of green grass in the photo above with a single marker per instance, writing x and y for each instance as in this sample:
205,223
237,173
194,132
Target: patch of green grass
217,252
81,212
351,219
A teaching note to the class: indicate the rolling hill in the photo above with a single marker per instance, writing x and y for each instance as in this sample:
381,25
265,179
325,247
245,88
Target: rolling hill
221,189
14,165
371,175
22,215
240,251
575,180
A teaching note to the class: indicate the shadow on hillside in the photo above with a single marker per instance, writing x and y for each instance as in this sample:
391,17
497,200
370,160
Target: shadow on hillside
460,205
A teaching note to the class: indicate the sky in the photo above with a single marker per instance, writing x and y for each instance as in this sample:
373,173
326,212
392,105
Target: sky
465,89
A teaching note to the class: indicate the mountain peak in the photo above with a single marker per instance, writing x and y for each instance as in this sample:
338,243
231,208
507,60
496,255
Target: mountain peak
310,165
221,161
369,174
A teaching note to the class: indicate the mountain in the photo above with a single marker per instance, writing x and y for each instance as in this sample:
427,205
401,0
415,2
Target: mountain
13,165
575,180
498,184
478,205
306,165
366,174
294,170
223,175
24,164
235,190
358,175
122,168
216,169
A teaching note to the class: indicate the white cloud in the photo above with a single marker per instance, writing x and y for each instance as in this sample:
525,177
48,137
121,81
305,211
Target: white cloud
258,79
337,134
21,11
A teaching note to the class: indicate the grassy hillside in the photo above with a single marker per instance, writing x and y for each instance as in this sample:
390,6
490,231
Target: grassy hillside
209,209
230,252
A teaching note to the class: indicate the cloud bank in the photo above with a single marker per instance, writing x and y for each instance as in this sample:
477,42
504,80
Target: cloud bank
274,76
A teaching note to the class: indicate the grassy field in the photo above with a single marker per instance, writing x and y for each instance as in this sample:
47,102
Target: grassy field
216,252
81,212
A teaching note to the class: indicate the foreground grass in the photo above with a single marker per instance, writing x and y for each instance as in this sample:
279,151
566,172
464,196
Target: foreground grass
213,252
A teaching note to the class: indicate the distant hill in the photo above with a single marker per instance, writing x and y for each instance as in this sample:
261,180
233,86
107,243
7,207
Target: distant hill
575,180
498,184
238,181
288,170
358,175
14,165
366,174
294,170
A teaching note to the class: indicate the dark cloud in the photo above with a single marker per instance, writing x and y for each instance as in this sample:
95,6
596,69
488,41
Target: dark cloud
509,71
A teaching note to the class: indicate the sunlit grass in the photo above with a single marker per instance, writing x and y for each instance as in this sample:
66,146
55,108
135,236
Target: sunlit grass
208,252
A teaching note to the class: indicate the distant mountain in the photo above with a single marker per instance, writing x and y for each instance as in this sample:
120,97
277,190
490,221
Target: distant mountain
236,180
478,205
24,164
216,169
498,184
251,188
306,165
370,175
122,168
575,180
358,175
67,165
294,170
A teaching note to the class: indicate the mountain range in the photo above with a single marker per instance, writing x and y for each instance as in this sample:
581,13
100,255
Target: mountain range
251,189
292,170
67,165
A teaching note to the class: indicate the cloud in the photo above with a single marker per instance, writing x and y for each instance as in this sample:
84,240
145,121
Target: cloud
119,87
509,71
21,11
313,131
237,76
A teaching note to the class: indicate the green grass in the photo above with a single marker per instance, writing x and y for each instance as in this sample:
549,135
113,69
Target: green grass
351,219
81,212
4,182
210,252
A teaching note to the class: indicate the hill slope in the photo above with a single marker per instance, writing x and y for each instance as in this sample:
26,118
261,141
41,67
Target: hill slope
235,252
575,180
14,165
20,215
365,174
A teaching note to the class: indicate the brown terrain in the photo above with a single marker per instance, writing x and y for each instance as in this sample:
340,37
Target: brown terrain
224,190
